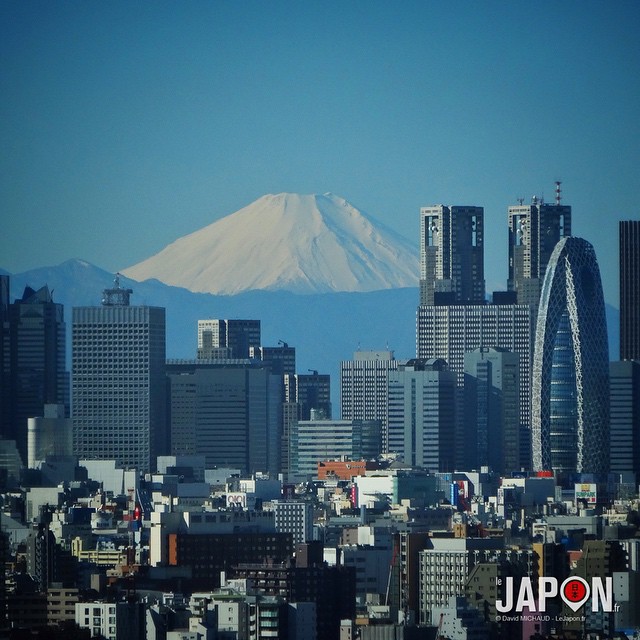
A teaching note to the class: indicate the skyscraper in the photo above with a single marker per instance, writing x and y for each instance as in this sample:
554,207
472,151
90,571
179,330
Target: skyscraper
451,255
119,381
450,331
227,411
364,387
303,394
236,335
491,409
624,378
570,392
5,362
534,231
37,360
629,289
421,422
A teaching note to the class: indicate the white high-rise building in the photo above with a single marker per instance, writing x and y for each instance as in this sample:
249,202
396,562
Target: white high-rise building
118,354
364,387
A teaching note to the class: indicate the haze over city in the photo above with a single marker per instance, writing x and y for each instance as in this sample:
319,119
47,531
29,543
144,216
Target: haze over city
128,126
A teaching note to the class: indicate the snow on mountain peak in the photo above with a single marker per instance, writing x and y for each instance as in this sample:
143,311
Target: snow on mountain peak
299,243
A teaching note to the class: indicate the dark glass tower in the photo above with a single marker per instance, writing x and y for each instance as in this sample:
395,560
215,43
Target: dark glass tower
570,394
451,255
534,231
630,290
37,360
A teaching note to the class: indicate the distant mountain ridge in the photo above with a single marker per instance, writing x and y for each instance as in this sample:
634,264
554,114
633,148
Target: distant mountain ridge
292,242
325,328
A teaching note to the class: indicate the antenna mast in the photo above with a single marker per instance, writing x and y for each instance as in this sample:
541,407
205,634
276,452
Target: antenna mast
558,193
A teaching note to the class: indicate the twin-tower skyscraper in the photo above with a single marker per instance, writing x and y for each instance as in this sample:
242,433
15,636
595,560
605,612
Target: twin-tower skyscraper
552,316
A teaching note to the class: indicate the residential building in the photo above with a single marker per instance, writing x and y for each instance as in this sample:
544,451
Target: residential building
119,385
445,565
295,518
629,231
451,255
570,387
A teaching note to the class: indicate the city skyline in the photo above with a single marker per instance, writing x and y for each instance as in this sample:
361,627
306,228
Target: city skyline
146,123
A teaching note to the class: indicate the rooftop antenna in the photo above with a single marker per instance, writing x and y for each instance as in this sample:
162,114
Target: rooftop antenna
558,192
116,296
520,201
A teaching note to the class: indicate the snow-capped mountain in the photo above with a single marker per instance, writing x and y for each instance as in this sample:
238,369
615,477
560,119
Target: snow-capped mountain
288,241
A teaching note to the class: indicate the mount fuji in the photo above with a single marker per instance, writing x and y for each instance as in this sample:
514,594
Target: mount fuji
305,244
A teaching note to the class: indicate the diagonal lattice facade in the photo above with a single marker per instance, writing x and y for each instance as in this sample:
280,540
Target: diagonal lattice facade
570,391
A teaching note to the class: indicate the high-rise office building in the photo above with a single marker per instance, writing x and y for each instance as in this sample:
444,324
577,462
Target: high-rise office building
450,331
629,289
570,391
5,362
492,409
312,441
281,360
37,360
534,231
236,335
624,420
364,386
304,393
227,411
451,255
421,416
118,383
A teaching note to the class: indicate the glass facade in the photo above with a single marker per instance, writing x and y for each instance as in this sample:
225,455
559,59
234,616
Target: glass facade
570,392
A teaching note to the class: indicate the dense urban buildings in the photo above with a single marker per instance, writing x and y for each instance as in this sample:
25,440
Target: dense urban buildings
410,516
629,231
449,332
570,391
119,408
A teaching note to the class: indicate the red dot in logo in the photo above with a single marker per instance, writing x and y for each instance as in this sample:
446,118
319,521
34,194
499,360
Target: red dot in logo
574,591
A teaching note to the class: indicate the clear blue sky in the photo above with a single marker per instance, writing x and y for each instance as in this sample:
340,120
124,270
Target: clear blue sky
125,125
